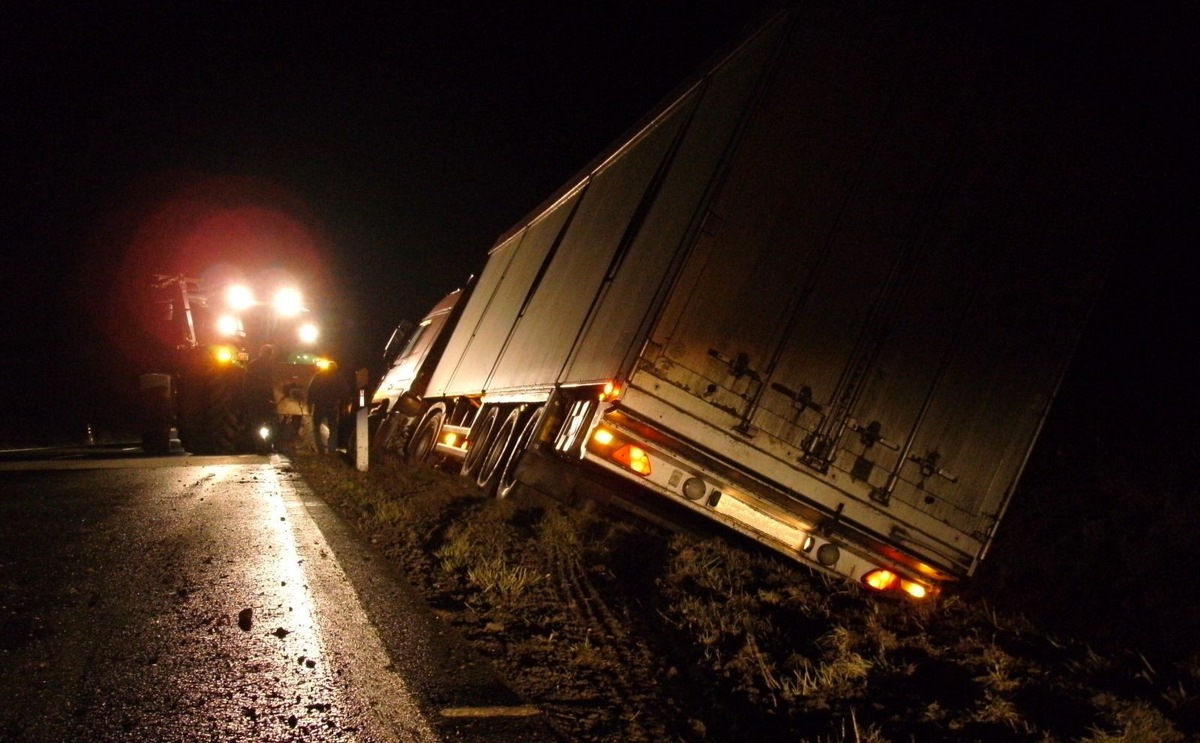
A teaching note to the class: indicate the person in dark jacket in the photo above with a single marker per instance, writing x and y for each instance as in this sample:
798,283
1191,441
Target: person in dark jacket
327,392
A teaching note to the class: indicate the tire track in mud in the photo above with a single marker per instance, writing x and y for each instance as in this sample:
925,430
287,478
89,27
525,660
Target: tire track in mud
622,671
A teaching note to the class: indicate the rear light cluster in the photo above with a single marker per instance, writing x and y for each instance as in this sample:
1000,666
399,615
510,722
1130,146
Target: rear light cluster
633,459
612,445
614,448
886,580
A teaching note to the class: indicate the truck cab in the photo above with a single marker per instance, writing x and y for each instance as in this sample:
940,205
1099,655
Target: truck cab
418,348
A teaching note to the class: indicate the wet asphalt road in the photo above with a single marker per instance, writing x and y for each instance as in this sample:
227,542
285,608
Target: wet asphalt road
193,598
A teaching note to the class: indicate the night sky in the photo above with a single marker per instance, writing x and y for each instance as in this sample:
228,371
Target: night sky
374,154
377,153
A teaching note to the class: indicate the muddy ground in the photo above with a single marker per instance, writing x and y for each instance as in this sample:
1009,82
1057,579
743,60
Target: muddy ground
619,631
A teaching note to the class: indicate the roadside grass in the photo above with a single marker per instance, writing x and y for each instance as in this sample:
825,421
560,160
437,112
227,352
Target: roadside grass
620,631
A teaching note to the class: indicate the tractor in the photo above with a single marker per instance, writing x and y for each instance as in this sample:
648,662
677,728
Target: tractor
206,332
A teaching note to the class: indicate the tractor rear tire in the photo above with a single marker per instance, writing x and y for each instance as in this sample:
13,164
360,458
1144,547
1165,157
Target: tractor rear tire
210,411
225,409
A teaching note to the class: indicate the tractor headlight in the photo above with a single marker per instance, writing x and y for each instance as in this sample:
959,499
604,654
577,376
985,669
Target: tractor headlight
228,325
288,302
308,333
239,297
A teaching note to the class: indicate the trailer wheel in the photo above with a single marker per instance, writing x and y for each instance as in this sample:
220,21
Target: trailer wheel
489,472
508,477
423,439
479,443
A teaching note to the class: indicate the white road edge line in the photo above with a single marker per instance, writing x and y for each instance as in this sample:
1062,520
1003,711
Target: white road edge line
353,643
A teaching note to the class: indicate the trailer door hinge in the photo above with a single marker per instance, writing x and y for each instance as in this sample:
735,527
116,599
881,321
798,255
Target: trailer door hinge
872,434
802,399
929,465
739,366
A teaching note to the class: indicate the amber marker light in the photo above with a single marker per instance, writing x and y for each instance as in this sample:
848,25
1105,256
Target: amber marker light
603,437
450,439
611,391
223,354
916,590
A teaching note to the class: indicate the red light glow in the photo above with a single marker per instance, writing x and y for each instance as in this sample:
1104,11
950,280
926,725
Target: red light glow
220,229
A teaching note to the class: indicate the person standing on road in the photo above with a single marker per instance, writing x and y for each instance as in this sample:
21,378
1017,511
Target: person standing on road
327,392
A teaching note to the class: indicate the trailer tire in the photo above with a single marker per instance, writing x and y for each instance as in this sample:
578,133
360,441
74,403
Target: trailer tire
488,476
508,476
420,447
479,443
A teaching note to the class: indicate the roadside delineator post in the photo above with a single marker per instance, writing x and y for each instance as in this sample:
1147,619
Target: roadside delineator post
360,423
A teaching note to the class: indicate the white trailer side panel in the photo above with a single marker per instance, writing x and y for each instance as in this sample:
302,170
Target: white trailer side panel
550,324
501,293
846,269
639,279
889,284
568,298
